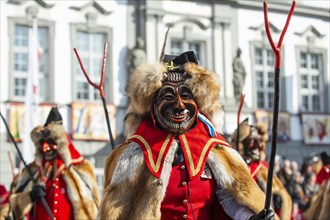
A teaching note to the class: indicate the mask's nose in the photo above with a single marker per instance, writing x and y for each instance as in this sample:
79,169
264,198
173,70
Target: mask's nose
48,147
179,103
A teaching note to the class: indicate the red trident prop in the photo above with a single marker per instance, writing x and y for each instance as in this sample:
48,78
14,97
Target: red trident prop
28,169
238,119
277,52
100,88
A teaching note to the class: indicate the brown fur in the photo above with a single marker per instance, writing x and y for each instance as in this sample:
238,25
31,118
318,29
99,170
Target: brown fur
244,132
140,196
4,211
110,165
84,207
279,189
320,204
84,202
147,79
58,134
205,86
244,189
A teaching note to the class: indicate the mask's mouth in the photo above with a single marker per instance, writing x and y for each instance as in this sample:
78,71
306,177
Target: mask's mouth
255,151
49,150
180,117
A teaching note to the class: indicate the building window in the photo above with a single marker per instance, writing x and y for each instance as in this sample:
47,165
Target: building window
310,73
264,77
178,46
21,62
90,47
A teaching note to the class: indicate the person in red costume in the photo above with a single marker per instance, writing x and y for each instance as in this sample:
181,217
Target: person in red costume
174,165
324,174
251,144
320,205
64,178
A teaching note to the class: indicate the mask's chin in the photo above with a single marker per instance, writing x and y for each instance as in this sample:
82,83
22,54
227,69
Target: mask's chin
181,128
50,155
254,155
176,124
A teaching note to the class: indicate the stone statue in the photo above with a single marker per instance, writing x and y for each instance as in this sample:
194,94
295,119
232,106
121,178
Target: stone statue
239,75
136,56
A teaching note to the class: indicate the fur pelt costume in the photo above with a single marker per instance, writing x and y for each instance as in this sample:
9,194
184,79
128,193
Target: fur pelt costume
259,167
133,188
319,208
77,173
320,202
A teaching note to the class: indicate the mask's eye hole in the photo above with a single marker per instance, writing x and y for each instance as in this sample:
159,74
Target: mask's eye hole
186,95
168,96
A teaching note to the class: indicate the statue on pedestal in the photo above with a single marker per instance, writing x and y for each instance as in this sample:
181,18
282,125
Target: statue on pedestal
136,56
239,75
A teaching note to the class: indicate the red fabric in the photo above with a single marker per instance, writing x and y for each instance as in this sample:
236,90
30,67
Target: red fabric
75,155
255,166
56,191
297,216
323,175
197,139
155,139
57,200
204,203
4,195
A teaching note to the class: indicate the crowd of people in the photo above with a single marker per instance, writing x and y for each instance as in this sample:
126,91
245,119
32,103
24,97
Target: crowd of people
304,183
299,192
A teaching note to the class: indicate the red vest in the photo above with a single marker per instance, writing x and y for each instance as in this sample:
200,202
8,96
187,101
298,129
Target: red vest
56,188
189,187
198,200
57,200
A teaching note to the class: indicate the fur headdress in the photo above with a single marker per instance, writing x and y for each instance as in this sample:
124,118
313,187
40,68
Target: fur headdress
147,79
54,130
245,132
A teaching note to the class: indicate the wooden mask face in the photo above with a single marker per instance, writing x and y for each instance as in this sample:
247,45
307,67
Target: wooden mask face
175,109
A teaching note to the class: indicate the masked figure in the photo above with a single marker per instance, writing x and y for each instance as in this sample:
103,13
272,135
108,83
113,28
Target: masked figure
320,202
63,178
174,165
251,146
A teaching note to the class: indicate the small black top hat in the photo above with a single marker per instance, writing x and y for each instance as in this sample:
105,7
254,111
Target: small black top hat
325,158
54,116
175,63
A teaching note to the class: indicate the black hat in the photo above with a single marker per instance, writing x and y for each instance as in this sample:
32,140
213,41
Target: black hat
175,63
54,116
325,158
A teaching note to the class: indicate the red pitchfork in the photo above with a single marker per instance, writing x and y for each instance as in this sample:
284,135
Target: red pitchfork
100,88
238,119
277,52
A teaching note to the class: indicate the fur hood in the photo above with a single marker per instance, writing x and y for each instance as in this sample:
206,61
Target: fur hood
147,79
245,131
66,150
